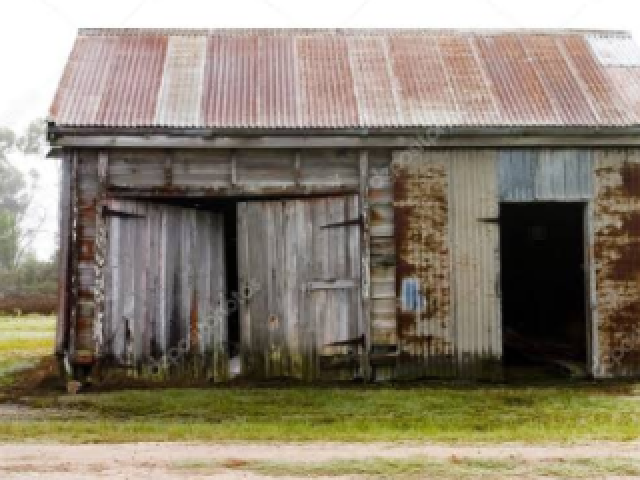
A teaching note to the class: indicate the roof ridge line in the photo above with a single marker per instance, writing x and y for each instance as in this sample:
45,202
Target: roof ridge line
345,31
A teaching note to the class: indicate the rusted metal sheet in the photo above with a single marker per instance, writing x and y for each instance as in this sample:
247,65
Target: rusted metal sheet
616,214
182,82
627,80
423,265
447,263
469,82
327,93
427,96
519,93
347,79
133,80
570,103
605,99
377,92
527,175
292,319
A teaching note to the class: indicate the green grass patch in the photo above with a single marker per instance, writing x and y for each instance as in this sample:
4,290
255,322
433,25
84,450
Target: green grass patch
429,413
23,342
422,467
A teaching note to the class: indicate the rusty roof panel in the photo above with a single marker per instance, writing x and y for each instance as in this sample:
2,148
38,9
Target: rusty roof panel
607,102
327,90
181,90
133,80
278,88
348,79
231,81
519,90
471,88
627,81
571,105
427,97
375,93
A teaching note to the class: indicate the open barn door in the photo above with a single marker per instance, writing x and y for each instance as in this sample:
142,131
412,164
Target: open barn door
299,274
165,288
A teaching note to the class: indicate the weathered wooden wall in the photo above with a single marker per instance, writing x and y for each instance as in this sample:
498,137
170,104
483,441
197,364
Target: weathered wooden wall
233,172
332,308
165,289
300,262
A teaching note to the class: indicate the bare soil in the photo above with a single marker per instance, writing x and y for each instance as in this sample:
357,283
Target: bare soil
163,460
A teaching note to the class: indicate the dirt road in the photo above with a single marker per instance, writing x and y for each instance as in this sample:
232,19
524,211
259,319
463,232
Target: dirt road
181,461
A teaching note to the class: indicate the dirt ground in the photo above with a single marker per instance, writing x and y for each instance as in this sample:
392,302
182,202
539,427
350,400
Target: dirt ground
160,460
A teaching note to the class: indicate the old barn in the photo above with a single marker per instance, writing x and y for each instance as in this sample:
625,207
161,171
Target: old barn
339,204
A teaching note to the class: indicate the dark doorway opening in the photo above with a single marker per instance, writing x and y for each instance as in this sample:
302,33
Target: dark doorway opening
231,248
544,313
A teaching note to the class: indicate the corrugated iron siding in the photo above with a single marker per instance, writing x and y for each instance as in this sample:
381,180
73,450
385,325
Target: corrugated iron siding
426,334
448,258
182,82
446,207
475,262
347,78
616,216
527,175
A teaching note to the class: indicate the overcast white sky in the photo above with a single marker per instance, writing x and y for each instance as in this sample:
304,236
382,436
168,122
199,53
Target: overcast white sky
36,36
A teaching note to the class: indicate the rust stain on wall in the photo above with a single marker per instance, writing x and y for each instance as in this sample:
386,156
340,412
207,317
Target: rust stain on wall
617,262
423,284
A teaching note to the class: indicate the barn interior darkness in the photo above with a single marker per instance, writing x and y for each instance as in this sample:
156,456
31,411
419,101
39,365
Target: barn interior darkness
543,283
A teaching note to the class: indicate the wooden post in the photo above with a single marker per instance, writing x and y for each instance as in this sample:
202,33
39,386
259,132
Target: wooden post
234,173
100,254
365,270
297,165
64,274
73,268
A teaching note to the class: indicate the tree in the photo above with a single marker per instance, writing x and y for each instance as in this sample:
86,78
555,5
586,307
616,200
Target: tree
16,195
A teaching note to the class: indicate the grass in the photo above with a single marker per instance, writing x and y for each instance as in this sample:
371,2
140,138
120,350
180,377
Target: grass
423,467
431,413
23,342
575,412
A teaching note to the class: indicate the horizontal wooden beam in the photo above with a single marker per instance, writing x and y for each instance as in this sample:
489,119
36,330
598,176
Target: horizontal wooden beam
595,139
331,284
229,192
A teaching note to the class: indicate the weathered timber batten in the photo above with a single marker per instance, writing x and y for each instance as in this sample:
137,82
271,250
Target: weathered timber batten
330,205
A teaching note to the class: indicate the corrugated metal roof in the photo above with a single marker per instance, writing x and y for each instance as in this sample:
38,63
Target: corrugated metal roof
349,79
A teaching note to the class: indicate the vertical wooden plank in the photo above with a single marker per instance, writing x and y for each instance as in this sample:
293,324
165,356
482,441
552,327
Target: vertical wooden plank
64,273
243,266
234,168
365,272
219,298
73,301
100,254
297,168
